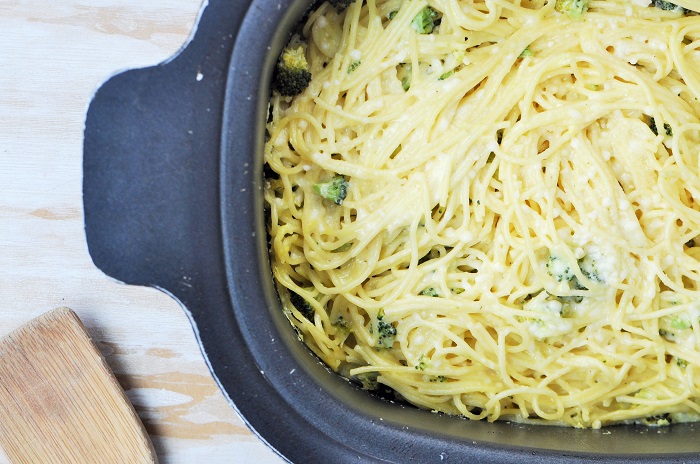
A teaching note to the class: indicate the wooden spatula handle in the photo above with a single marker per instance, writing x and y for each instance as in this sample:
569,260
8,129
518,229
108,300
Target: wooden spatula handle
60,402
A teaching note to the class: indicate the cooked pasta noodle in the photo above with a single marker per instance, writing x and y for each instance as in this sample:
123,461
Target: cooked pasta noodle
520,233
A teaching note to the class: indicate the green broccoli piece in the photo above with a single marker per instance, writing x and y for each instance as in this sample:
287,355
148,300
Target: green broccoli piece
368,380
657,420
430,291
353,66
664,5
558,269
403,72
423,363
526,52
426,20
589,268
562,272
446,75
293,75
334,190
574,8
302,305
668,6
387,334
680,323
341,325
340,5
667,127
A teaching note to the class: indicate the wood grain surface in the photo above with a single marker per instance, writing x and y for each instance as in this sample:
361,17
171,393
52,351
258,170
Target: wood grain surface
53,56
60,402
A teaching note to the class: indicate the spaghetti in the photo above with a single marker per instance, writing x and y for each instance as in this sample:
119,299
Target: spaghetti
519,235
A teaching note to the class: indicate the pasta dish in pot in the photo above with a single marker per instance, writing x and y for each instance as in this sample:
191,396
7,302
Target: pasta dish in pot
489,206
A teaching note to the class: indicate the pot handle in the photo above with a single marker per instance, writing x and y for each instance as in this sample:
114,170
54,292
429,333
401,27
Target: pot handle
151,161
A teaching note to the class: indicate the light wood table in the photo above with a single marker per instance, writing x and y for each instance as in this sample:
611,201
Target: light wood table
53,56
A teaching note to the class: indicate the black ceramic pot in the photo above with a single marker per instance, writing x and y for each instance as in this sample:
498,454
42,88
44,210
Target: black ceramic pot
173,200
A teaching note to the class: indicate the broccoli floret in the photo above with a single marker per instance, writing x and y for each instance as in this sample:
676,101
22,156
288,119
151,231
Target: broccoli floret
334,190
664,5
566,302
430,291
526,52
667,127
340,5
342,326
353,66
563,272
589,268
426,20
302,305
558,269
680,323
657,420
368,380
387,334
403,72
293,75
574,8
423,363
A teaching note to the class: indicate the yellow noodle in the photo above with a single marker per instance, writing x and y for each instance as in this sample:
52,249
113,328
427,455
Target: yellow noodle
511,216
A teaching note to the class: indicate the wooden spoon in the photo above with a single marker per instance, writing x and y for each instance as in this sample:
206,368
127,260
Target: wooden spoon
60,402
